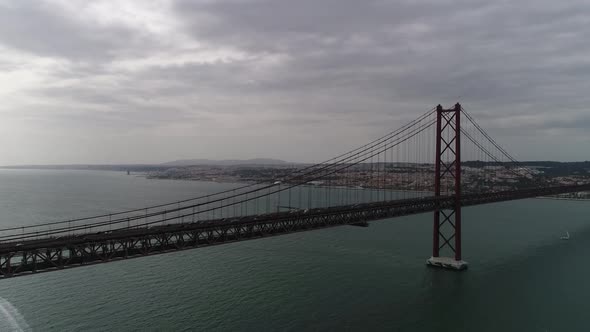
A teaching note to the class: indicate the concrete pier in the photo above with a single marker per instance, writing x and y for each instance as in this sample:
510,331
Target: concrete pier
447,263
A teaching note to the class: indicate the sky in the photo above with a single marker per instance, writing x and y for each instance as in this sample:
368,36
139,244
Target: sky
140,81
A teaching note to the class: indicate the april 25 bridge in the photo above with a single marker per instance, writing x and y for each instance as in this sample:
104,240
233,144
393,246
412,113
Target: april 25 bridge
438,163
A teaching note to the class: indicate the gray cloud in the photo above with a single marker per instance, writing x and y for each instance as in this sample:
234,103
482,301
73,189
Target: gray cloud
217,79
41,28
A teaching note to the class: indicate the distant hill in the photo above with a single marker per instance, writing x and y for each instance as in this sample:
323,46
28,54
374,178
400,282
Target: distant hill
225,162
149,167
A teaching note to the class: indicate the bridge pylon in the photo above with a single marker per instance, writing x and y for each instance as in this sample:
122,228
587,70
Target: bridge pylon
447,182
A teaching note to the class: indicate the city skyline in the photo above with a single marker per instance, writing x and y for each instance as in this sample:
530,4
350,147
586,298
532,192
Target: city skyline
153,81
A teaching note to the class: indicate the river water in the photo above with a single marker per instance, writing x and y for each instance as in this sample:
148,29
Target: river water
521,277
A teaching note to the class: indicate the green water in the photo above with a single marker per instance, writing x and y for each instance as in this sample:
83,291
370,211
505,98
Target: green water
521,276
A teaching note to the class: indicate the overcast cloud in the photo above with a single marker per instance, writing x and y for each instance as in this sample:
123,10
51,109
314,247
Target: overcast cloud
152,81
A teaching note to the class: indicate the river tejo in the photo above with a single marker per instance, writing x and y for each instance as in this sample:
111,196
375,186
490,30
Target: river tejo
521,277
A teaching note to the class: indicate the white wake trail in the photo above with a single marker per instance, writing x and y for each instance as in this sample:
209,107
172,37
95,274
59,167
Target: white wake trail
11,319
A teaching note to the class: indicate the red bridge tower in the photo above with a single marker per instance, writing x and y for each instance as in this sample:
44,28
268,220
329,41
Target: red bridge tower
447,182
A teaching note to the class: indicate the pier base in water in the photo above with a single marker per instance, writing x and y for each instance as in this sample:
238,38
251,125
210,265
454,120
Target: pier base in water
447,263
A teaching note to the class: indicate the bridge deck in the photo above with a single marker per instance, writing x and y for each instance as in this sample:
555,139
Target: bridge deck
51,253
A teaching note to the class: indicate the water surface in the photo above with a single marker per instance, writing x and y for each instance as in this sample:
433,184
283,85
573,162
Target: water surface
521,276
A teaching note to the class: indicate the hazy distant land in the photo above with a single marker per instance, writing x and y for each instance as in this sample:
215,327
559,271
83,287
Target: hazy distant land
156,167
553,168
225,162
399,176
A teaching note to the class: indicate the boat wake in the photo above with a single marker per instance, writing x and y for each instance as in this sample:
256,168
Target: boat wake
10,319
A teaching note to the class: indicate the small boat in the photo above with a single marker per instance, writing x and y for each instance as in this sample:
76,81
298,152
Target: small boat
566,236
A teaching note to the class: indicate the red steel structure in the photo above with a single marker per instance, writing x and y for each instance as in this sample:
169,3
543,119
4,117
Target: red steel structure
234,215
447,182
53,254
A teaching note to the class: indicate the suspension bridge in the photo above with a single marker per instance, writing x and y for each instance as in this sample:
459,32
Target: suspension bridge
438,163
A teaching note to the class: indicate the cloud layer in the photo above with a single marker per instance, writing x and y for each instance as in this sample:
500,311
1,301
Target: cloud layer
150,81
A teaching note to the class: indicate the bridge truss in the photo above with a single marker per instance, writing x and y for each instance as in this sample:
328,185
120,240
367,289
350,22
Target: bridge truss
415,169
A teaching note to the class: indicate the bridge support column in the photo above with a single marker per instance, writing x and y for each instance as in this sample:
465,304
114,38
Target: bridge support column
447,182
